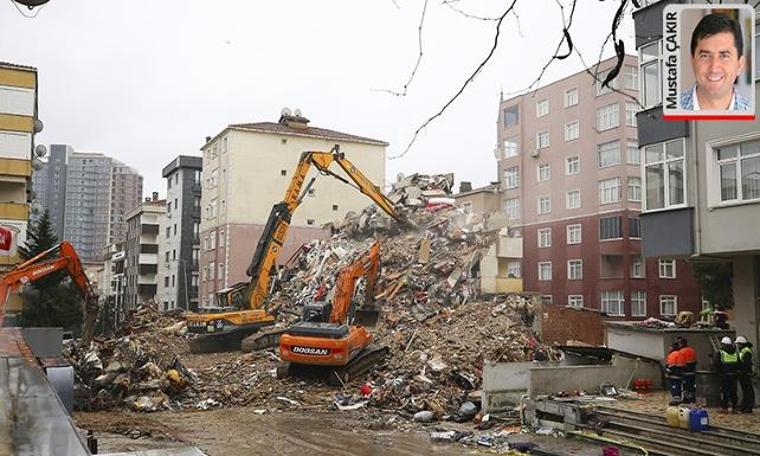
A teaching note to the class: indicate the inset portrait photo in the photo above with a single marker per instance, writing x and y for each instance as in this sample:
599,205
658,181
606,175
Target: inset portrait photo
708,62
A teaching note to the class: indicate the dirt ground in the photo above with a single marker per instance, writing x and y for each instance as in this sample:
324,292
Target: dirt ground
240,431
656,403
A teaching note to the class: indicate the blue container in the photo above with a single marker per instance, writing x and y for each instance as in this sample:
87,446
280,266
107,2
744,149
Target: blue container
698,420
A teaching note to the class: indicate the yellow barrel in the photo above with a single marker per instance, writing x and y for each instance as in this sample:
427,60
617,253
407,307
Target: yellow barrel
683,417
671,413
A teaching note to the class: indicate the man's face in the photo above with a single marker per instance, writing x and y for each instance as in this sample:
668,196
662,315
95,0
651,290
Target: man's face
716,63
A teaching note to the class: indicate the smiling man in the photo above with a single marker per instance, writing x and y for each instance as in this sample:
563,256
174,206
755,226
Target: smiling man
717,59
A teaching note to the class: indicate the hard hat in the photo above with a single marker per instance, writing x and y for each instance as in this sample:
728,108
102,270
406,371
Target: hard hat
741,340
726,340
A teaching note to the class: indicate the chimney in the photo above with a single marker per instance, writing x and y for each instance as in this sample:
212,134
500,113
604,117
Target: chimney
293,120
155,196
208,138
147,199
465,186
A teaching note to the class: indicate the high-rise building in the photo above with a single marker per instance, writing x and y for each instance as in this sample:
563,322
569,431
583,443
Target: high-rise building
49,185
569,162
179,235
126,192
141,249
18,124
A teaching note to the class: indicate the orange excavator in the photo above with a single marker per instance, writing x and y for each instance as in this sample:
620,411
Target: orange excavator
332,338
62,257
242,309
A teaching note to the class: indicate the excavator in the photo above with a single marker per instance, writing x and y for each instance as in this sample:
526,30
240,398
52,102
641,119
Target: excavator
58,258
332,339
244,307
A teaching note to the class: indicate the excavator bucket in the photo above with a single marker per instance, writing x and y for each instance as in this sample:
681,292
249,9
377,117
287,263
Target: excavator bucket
366,316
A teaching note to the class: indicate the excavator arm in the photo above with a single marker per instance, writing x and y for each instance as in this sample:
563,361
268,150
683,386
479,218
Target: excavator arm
39,266
368,265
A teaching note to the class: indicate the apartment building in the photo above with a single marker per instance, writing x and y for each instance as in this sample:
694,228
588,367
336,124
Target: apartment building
246,170
179,236
701,179
570,163
18,124
49,186
141,251
126,193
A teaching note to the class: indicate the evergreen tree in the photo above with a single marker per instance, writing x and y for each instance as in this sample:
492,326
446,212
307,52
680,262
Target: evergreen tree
50,300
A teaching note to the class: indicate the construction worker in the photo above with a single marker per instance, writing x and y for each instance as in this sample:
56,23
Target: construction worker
689,361
727,366
674,373
745,374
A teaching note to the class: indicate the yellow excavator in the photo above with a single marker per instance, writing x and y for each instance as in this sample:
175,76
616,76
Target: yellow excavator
243,309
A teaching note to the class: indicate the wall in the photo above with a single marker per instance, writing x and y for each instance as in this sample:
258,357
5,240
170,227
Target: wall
504,384
746,287
562,324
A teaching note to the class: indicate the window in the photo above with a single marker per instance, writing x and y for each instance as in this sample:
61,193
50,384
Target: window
221,271
600,89
212,270
166,282
572,165
545,270
668,305
514,269
609,228
649,73
739,171
609,153
174,282
544,172
212,240
542,108
511,116
572,130
221,238
664,175
309,221
512,177
638,303
169,207
637,267
542,140
574,269
574,234
544,204
634,228
334,207
512,208
631,77
573,199
609,190
511,147
175,229
630,113
608,117
571,97
575,301
634,188
205,273
544,237
167,258
634,155
174,254
612,303
667,269
546,300
205,243
283,172
312,192
168,232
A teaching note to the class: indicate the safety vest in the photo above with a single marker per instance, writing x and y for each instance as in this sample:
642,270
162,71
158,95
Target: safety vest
673,359
729,358
743,352
688,355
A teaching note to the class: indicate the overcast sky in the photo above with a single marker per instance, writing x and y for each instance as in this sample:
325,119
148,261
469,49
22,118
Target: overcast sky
144,81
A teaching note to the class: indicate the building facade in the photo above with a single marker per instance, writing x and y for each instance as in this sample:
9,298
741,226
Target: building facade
701,180
49,185
569,163
246,170
179,236
141,251
18,124
126,193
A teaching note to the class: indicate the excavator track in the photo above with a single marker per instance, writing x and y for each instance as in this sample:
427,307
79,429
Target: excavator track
226,341
362,361
263,340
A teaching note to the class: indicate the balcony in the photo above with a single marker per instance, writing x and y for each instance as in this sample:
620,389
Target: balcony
147,258
147,269
508,285
147,228
509,247
14,211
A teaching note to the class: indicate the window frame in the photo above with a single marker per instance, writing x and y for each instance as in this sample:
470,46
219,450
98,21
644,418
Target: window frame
576,130
511,146
675,305
577,162
539,201
508,118
600,77
540,168
576,297
576,192
641,262
544,237
714,165
571,265
544,263
632,189
613,117
539,143
571,228
657,62
630,114
606,148
636,300
605,191
662,266
619,227
569,101
542,108
619,299
508,209
512,177
665,162
631,72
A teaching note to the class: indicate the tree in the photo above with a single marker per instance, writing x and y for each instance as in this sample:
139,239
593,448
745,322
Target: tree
715,281
51,300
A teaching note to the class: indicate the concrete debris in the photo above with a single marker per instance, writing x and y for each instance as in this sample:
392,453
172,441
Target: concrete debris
424,416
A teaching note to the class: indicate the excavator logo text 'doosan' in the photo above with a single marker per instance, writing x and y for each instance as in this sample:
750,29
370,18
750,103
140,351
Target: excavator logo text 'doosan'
42,270
310,351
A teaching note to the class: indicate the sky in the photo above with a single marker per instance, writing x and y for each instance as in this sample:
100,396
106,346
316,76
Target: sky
144,81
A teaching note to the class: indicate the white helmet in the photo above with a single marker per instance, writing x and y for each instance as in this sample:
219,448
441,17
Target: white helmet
741,340
726,341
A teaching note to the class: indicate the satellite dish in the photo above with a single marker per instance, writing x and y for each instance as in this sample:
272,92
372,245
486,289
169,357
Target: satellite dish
40,150
285,112
31,3
298,112
38,125
36,165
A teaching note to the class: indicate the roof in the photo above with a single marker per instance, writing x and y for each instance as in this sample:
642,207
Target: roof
275,127
17,66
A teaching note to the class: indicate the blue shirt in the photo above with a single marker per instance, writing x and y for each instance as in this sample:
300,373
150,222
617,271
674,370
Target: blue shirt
689,101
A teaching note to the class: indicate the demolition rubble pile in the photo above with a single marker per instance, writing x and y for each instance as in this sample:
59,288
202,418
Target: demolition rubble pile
437,325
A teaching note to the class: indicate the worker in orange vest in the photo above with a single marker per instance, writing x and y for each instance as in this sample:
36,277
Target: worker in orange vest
674,373
688,359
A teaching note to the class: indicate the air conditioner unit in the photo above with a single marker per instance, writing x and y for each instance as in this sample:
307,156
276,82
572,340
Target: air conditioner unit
535,153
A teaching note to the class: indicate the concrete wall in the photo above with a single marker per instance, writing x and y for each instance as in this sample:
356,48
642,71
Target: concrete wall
504,384
549,380
747,297
562,324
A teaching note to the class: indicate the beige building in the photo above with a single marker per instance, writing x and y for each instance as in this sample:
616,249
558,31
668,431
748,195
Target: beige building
246,170
18,124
